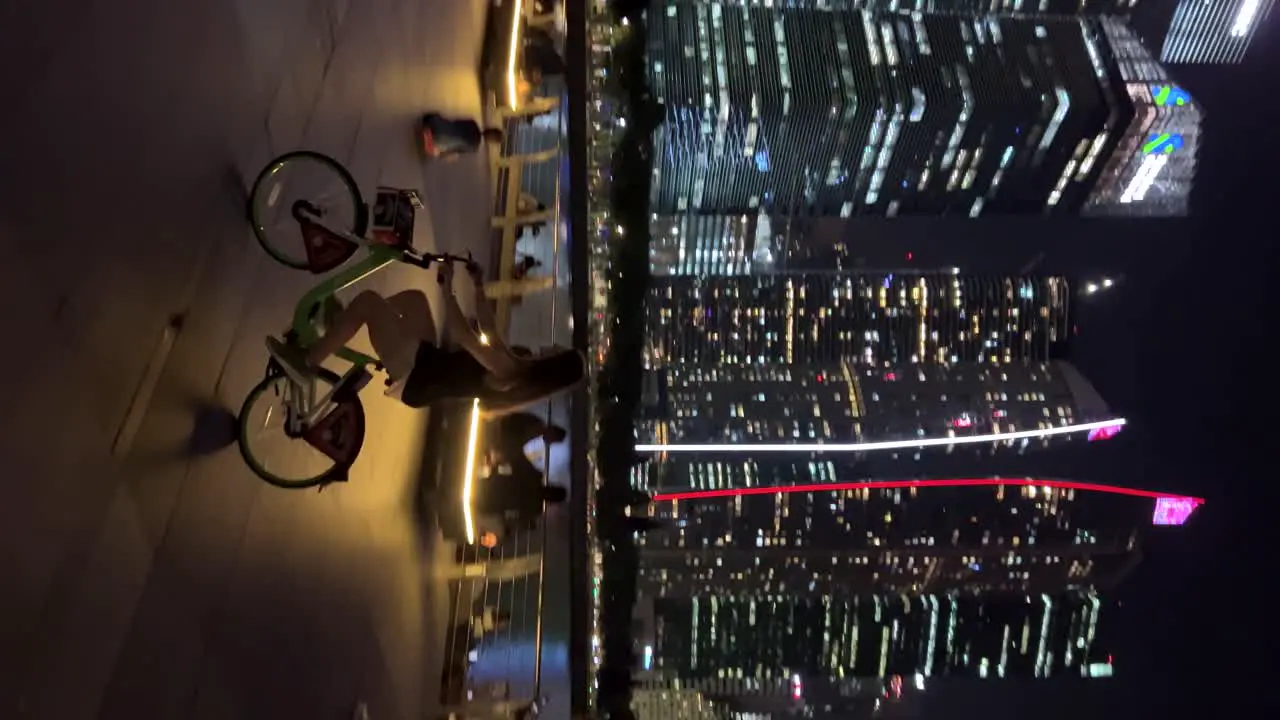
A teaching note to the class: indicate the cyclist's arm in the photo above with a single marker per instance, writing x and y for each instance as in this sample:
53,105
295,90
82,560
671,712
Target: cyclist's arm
494,354
484,315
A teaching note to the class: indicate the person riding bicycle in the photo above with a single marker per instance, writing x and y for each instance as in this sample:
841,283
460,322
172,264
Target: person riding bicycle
422,372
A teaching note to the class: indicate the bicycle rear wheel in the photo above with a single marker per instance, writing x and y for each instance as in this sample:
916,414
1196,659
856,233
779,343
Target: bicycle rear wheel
307,177
287,460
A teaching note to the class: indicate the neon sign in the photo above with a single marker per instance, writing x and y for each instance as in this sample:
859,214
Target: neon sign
1173,510
1166,95
1104,433
1162,143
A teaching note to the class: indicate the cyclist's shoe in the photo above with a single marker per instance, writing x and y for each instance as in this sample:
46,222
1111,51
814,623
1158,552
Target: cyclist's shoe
351,384
292,358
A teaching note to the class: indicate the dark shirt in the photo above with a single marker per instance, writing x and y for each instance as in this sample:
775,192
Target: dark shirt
516,497
510,434
440,374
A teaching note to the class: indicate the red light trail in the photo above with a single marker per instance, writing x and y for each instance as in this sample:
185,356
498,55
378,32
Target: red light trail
908,484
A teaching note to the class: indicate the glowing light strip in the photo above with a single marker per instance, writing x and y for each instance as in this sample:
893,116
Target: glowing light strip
1142,180
1244,19
468,480
888,444
907,484
516,18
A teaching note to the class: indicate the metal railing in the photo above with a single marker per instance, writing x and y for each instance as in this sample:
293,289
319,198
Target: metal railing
501,591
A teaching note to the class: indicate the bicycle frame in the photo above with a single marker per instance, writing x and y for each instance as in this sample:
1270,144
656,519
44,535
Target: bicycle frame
304,326
304,323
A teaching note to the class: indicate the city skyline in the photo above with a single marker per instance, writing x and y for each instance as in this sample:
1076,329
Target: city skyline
765,358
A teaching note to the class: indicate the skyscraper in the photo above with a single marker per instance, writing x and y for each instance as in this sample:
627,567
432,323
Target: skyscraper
1213,31
728,645
874,318
760,531
662,703
856,358
881,113
776,591
1152,167
848,403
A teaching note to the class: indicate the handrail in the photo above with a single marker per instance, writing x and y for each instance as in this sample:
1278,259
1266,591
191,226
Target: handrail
509,218
546,456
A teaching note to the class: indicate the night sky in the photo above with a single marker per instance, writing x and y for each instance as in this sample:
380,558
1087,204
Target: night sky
1183,349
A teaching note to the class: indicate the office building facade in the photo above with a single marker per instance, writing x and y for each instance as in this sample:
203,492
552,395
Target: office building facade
1152,166
664,703
877,319
690,404
856,358
784,645
877,113
766,528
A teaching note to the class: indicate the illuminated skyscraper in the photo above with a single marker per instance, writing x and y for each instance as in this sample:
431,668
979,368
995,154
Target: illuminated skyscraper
763,586
850,403
784,644
764,526
661,703
1213,31
877,319
866,358
880,113
1152,167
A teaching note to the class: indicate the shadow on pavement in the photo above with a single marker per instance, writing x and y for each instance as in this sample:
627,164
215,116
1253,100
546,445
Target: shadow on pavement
301,650
214,429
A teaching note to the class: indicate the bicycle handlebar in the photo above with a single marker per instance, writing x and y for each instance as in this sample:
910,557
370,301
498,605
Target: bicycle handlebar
427,260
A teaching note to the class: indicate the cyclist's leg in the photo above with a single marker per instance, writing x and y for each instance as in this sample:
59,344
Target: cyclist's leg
413,306
395,340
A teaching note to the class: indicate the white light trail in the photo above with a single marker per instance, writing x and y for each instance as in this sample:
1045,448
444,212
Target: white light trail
883,445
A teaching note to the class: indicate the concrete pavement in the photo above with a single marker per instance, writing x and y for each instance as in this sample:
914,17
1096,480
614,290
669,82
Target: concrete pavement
146,572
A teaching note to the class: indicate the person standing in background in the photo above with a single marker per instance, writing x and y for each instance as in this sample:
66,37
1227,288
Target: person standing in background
446,138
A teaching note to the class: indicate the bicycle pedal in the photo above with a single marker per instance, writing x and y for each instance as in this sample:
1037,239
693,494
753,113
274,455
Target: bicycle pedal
339,476
351,385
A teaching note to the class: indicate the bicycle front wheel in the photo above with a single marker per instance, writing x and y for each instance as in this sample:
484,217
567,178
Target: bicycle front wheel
286,460
307,177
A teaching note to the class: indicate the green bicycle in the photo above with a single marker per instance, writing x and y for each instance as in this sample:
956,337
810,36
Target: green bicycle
309,197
